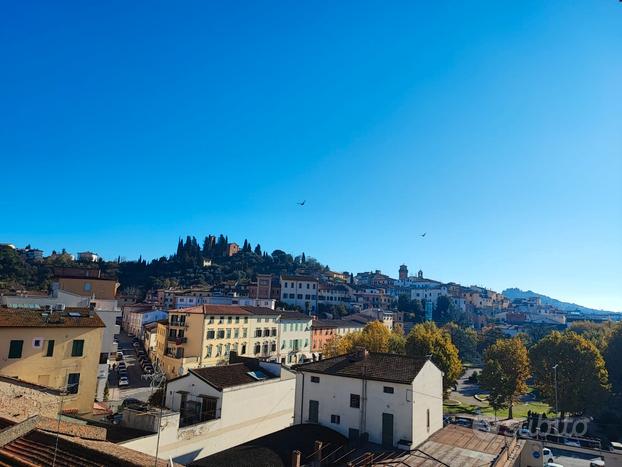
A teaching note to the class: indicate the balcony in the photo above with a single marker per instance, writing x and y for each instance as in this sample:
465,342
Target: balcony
178,340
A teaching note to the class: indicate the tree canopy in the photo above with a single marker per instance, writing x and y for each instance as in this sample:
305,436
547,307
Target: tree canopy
505,373
582,379
426,339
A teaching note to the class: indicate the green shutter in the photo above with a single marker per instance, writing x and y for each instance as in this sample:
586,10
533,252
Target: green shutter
50,351
15,349
78,348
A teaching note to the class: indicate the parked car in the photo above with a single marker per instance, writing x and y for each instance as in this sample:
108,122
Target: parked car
552,464
597,462
464,422
123,381
572,442
547,455
524,433
481,425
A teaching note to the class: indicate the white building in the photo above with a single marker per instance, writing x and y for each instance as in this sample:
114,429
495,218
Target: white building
88,256
294,337
429,293
215,408
301,291
188,301
390,399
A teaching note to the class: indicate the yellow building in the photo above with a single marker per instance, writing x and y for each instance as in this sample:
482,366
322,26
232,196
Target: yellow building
60,350
104,289
204,336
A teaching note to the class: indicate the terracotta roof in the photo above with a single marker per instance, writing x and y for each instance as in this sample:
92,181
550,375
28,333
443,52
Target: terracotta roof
335,323
375,366
258,310
20,318
298,278
35,447
213,310
226,376
294,315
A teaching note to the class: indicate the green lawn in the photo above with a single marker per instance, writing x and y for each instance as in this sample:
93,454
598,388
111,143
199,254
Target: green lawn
520,410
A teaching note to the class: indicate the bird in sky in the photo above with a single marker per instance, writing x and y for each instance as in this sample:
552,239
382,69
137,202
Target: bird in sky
423,234
303,203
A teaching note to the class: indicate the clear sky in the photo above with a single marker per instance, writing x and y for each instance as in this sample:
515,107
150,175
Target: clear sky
495,127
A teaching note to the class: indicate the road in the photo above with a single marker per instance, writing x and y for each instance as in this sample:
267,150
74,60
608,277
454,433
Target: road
139,387
569,458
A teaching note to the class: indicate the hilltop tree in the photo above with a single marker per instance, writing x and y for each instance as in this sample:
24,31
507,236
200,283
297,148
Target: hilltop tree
258,250
397,341
582,379
505,373
426,339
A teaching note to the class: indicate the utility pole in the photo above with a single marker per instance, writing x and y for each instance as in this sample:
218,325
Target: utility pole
555,373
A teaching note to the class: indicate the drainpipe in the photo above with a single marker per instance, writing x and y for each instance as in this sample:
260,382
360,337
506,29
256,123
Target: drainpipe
302,398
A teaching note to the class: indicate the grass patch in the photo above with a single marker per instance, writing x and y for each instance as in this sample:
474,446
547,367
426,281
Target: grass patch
520,410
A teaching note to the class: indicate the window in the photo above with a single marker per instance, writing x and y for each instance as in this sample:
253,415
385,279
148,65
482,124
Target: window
246,319
257,332
244,332
15,349
299,296
229,319
228,333
73,382
221,334
274,331
221,319
77,348
388,389
257,348
237,319
315,379
210,334
308,285
236,333
291,295
307,297
209,351
355,401
300,286
37,343
336,419
50,350
243,351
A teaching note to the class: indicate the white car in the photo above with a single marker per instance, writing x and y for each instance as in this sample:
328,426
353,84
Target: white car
552,464
123,381
524,433
547,455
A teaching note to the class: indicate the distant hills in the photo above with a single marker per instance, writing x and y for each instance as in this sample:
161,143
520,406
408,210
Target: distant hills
564,306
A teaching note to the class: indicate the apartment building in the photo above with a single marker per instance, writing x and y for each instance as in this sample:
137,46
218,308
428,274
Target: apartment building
86,286
264,332
334,294
372,297
137,316
213,409
57,349
323,331
389,399
294,337
300,291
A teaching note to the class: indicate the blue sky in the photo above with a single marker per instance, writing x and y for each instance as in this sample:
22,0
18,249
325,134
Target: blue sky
495,127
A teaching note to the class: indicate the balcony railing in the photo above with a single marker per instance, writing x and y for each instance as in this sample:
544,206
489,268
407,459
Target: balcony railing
178,340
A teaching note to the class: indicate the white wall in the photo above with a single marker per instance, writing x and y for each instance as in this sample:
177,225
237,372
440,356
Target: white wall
427,394
247,412
333,394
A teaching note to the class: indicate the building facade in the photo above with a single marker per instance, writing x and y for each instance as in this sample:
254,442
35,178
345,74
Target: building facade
60,350
294,337
390,399
300,291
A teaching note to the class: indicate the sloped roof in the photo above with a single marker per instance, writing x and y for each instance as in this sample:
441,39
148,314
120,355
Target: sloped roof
375,366
20,318
226,376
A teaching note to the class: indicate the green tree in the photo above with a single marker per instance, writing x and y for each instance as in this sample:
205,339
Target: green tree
505,373
465,339
613,358
582,380
426,339
488,336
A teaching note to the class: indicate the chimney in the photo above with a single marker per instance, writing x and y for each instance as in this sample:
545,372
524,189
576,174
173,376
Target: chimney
296,458
359,354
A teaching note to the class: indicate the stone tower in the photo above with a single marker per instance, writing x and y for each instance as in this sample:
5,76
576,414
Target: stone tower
403,272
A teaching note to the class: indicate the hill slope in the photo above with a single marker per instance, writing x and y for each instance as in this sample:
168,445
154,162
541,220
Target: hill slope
513,293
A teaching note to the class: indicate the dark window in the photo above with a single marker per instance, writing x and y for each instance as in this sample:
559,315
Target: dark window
37,343
388,389
77,348
428,423
299,296
336,419
315,379
50,351
211,334
15,349
355,401
73,383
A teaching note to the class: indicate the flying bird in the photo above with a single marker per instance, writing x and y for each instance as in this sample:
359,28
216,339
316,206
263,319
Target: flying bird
423,234
303,203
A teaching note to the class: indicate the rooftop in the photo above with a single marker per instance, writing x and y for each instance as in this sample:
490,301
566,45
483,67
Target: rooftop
299,278
69,318
294,315
335,323
235,374
375,366
456,445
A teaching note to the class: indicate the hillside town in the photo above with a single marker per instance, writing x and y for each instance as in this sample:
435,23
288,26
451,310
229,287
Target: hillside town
308,367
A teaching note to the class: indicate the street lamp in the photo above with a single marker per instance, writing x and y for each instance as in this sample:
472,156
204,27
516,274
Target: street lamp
555,373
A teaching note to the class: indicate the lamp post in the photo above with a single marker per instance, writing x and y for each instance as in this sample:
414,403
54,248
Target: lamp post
555,375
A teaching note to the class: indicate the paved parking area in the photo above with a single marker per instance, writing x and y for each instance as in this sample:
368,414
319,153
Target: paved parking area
569,458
